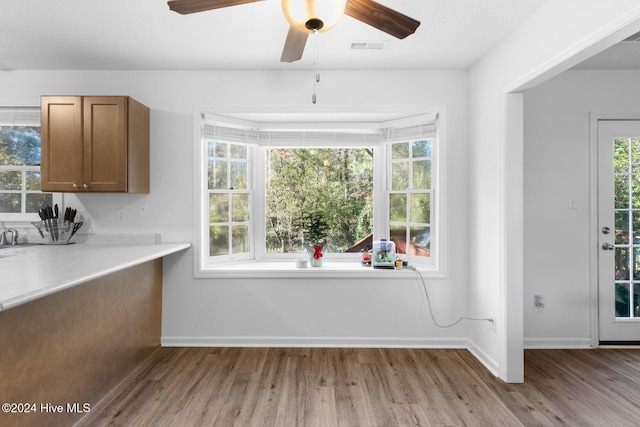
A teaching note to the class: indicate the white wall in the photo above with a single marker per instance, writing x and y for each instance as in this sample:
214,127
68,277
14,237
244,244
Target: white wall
556,245
244,311
557,36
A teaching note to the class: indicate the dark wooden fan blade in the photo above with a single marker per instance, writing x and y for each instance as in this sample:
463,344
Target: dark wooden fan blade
191,6
294,45
381,17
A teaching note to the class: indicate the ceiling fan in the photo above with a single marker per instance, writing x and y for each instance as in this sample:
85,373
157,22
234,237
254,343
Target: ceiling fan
309,16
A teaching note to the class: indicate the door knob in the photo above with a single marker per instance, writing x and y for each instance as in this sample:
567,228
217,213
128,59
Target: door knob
607,246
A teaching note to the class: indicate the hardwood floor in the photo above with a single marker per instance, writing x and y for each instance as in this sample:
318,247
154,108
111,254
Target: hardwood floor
374,387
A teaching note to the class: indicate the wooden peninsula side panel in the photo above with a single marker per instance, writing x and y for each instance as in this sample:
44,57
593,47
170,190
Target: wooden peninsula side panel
65,352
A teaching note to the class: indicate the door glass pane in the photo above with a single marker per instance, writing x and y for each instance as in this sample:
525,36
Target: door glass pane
622,227
627,223
621,183
622,263
622,300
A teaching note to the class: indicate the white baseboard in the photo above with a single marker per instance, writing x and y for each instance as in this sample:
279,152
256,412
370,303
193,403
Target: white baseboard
338,342
557,343
483,358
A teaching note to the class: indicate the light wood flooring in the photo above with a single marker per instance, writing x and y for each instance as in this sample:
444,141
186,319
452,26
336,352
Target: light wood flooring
374,387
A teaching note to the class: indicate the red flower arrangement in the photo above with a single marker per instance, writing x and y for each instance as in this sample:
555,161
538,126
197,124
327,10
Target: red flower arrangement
317,251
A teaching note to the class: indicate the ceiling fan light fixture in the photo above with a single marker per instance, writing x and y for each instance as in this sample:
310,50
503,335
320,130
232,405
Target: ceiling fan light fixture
313,15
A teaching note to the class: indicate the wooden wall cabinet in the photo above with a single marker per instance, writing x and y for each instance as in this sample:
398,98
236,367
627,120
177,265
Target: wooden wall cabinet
94,144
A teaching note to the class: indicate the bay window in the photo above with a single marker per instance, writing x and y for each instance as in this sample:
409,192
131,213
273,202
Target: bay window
267,191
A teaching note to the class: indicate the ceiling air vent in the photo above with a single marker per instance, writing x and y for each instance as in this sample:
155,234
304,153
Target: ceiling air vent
371,46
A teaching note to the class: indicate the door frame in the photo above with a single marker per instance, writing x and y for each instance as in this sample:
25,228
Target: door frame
594,310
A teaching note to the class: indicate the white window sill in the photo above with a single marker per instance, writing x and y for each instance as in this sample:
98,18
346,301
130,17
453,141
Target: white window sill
329,270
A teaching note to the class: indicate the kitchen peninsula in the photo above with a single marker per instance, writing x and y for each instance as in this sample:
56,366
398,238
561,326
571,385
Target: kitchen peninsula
75,321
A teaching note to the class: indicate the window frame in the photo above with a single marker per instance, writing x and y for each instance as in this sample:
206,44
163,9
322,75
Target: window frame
27,115
336,265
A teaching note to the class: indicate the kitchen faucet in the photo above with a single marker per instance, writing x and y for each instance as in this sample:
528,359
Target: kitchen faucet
14,237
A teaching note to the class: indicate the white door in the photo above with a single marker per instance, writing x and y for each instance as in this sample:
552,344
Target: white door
619,231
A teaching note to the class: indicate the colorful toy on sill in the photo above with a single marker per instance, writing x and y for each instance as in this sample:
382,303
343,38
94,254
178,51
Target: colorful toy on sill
365,259
384,254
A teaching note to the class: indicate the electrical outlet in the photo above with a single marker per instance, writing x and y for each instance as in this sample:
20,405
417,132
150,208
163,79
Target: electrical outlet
538,303
492,322
120,214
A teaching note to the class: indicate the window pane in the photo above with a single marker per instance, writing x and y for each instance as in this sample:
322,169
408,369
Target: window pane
239,176
20,145
240,239
422,175
421,148
10,203
420,208
218,240
398,207
218,208
220,150
400,150
238,151
33,180
35,201
398,235
240,212
400,176
218,175
318,194
420,240
10,180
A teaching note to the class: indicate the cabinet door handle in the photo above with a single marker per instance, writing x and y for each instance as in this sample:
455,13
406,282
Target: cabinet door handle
75,185
85,186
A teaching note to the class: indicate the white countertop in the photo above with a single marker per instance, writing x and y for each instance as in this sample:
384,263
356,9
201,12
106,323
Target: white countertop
32,272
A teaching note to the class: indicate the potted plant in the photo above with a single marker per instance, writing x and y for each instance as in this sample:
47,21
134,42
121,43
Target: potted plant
314,228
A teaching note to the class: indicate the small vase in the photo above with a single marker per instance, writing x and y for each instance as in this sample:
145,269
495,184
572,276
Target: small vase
316,255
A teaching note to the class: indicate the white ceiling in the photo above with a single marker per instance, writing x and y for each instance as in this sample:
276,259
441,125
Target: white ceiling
146,35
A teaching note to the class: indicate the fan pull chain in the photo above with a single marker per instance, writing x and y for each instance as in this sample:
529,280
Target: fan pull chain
316,73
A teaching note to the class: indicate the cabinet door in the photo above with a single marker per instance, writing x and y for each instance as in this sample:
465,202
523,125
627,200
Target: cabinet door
61,139
105,143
